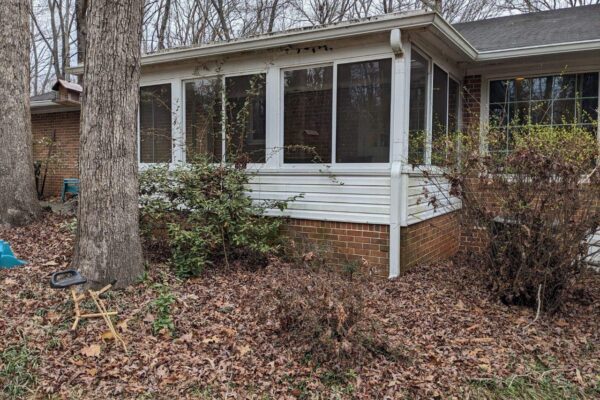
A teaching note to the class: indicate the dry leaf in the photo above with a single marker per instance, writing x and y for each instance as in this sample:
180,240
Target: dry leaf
91,351
107,335
244,349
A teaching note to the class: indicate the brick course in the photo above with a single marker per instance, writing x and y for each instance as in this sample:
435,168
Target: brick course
421,243
66,125
471,103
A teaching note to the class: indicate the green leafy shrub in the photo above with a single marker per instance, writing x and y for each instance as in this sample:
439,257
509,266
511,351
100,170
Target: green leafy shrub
533,205
200,214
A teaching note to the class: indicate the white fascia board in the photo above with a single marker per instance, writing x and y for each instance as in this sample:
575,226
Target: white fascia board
587,45
454,36
294,37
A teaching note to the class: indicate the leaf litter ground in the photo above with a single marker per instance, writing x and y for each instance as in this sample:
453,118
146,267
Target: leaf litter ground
453,333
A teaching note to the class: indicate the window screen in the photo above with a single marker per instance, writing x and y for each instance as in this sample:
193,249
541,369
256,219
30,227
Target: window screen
307,114
419,73
363,112
155,124
203,134
246,117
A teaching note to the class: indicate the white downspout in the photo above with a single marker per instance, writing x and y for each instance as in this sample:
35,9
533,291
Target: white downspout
397,125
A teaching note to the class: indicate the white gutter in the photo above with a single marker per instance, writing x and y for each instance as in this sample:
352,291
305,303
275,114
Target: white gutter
585,45
279,40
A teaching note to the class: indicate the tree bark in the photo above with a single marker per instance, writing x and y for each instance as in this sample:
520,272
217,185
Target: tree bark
81,32
18,199
108,248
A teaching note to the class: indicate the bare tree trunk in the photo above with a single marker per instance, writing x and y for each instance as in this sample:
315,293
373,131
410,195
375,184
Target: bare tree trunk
163,25
81,31
18,199
108,245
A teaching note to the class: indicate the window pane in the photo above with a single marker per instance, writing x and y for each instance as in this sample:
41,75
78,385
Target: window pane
363,112
155,124
419,71
541,88
563,112
499,91
588,85
246,118
307,114
453,101
440,103
203,118
564,87
589,111
541,112
522,89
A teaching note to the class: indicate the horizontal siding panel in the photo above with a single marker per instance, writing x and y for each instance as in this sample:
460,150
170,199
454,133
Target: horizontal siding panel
323,198
421,191
356,198
308,188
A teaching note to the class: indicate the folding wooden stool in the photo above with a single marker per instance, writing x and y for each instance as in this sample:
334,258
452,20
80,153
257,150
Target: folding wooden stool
72,278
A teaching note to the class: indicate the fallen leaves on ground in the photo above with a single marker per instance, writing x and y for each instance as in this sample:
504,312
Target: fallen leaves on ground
442,316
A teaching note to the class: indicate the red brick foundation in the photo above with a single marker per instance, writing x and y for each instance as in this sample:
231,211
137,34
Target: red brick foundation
66,149
429,241
342,243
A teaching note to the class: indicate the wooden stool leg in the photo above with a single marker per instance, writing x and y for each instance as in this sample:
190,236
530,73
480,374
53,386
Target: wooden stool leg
105,314
77,310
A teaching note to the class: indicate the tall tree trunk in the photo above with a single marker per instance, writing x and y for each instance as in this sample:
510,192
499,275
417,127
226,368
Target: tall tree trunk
108,247
18,199
163,25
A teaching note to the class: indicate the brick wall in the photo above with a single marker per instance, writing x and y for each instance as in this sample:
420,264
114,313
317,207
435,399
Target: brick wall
471,102
66,149
344,242
428,241
425,242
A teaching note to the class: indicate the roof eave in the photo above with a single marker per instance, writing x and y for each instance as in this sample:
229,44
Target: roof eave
540,50
340,31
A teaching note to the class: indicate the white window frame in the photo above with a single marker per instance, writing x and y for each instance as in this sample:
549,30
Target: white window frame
222,78
333,164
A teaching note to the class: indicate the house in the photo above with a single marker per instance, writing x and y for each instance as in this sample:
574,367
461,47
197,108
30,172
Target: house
354,93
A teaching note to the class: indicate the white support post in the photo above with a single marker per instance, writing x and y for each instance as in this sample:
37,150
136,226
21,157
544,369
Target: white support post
273,138
177,129
399,99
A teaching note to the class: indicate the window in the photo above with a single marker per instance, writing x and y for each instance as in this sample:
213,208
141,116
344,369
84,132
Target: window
419,74
155,124
445,111
307,115
559,100
246,117
203,134
363,112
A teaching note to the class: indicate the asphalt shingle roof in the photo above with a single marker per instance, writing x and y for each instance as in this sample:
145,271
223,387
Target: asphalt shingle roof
534,29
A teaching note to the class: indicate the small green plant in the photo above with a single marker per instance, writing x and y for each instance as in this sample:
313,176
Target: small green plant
203,213
162,309
16,371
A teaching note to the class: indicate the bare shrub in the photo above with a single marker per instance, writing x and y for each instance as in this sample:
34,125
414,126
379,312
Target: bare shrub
535,205
325,317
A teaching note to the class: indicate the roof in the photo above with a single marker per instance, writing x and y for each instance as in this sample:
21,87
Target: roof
568,25
67,85
541,33
48,96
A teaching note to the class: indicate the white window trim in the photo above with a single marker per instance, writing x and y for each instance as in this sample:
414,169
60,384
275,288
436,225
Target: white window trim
333,165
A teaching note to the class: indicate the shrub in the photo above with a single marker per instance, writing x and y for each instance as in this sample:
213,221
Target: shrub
537,204
163,322
200,214
325,317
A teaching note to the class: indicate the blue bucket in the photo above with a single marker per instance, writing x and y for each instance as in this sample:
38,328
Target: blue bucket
7,257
